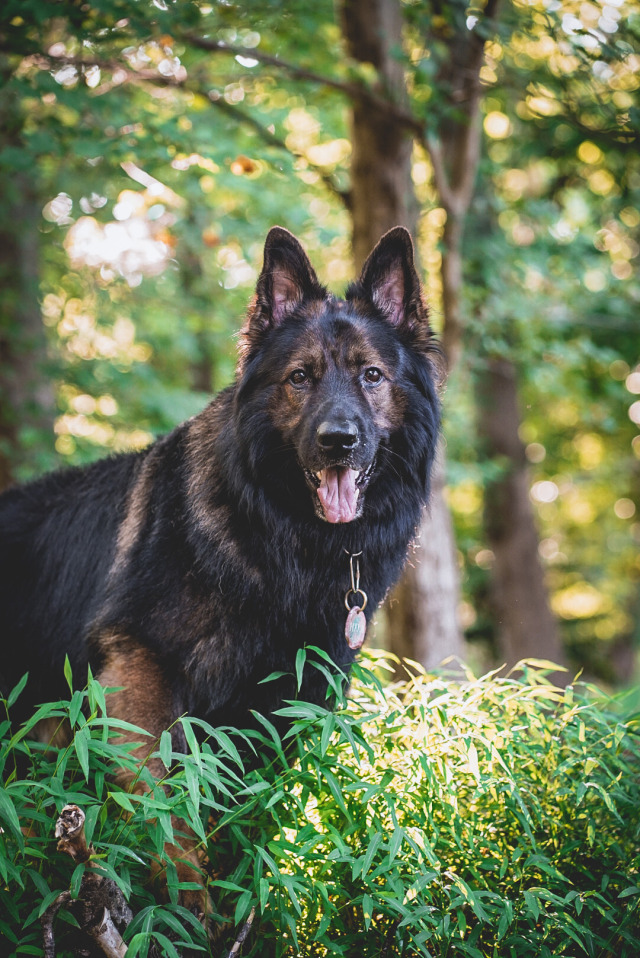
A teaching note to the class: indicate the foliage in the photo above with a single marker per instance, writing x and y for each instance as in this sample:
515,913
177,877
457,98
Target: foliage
489,817
551,287
176,162
195,126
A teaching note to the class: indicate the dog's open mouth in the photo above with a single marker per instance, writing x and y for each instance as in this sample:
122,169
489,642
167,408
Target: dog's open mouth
338,489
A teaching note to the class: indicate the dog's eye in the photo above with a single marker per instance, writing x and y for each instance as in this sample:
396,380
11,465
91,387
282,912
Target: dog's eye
373,375
298,377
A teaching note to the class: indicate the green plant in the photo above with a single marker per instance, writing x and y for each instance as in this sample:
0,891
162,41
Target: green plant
489,817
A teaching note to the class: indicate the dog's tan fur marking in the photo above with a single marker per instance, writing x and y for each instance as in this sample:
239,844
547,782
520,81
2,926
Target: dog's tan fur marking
143,698
136,512
52,731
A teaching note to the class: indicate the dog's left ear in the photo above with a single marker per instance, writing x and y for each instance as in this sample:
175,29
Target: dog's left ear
287,278
390,281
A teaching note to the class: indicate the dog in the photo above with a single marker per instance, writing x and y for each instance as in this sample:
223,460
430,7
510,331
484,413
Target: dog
186,573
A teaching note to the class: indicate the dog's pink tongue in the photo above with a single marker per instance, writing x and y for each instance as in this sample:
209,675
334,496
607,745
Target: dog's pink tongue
338,493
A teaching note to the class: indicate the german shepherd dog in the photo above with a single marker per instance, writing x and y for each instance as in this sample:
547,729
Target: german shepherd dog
188,572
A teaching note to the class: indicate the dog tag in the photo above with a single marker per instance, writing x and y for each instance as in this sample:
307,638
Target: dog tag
355,627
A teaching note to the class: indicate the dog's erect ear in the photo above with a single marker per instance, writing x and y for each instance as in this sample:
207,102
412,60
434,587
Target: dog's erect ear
287,278
389,280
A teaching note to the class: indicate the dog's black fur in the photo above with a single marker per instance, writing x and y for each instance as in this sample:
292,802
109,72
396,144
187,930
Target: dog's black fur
190,571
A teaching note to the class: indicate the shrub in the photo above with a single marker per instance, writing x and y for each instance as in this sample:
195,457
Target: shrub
488,817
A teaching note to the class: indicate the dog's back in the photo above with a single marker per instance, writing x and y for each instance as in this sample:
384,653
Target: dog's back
57,539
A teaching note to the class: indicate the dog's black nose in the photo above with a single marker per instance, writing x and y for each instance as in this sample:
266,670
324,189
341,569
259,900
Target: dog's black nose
337,435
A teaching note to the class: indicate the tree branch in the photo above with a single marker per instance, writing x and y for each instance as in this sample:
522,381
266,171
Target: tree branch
150,76
459,140
353,91
242,937
272,140
100,908
46,921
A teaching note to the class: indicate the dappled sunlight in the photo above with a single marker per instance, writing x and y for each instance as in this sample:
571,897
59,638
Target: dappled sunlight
580,601
90,418
128,249
138,241
237,272
83,337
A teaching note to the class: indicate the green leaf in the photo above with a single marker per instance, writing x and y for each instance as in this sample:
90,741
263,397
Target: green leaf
243,906
76,879
301,658
395,842
374,845
168,947
325,922
264,891
532,904
166,749
628,891
270,863
91,817
81,746
367,910
9,814
273,677
17,690
192,741
328,726
122,799
75,707
228,746
67,673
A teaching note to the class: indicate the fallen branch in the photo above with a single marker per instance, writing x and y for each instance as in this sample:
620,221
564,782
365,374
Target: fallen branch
101,909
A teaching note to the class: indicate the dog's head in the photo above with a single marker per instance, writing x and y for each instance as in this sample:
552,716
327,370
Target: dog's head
332,373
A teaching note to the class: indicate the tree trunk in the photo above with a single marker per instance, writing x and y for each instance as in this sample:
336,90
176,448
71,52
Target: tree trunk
526,626
202,370
382,194
26,394
422,613
423,609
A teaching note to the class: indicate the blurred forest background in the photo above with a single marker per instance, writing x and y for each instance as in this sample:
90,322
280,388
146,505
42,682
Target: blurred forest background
146,148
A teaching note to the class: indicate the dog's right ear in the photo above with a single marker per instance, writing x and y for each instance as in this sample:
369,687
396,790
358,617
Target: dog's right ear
390,281
287,278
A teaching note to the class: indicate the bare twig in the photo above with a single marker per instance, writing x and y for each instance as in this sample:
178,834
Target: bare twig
242,937
48,939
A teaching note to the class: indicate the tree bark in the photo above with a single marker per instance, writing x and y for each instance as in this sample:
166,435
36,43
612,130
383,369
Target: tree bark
422,613
423,609
202,370
382,194
526,627
26,394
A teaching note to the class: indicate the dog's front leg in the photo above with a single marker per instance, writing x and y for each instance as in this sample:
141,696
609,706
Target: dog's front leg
144,699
